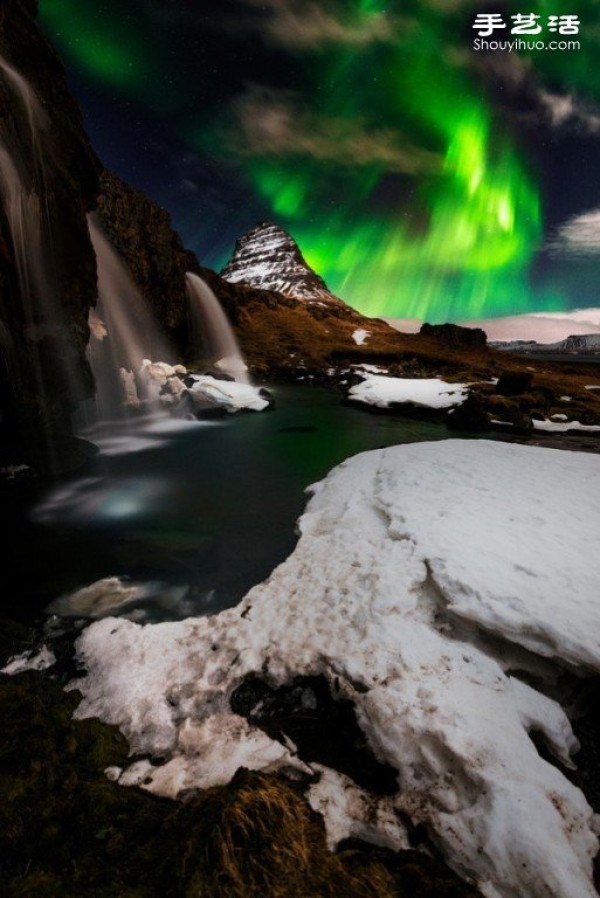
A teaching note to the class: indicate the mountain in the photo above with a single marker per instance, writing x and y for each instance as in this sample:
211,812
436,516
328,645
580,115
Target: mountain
576,343
268,258
580,343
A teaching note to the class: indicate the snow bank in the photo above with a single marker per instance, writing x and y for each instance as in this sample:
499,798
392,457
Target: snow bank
231,395
410,560
430,393
555,425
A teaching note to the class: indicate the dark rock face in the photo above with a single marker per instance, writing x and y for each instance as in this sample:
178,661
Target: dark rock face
43,372
455,335
268,258
513,383
142,234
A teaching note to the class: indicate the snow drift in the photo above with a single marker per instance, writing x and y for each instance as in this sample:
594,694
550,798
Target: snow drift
441,587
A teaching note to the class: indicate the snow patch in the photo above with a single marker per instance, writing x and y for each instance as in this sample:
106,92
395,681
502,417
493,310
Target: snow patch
230,395
557,425
429,393
360,336
44,659
351,813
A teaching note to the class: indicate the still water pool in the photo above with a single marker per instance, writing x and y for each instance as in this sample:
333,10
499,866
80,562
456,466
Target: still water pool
201,512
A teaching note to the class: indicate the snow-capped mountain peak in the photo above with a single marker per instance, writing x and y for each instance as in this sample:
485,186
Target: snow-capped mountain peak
267,257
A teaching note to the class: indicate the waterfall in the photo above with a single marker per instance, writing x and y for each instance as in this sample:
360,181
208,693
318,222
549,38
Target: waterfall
122,333
35,113
210,321
24,196
26,208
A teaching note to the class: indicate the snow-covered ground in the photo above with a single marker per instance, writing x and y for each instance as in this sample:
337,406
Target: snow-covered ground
555,425
432,585
429,393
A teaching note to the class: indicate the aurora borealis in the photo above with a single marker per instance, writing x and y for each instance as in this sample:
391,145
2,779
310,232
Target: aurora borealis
420,178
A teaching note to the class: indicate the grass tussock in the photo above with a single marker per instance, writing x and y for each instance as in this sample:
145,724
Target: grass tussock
260,837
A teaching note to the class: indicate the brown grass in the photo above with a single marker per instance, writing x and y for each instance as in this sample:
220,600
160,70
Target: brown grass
260,837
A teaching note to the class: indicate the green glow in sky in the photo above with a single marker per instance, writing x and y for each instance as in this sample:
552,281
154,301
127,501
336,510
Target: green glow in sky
460,243
103,46
385,159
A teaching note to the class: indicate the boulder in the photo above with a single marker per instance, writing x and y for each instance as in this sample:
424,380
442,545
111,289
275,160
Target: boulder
513,383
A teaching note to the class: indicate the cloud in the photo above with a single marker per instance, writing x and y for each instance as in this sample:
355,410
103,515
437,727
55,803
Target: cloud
580,236
298,24
543,327
273,123
531,102
568,112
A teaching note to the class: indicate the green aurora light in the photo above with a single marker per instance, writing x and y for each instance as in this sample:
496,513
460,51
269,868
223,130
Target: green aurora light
453,240
482,211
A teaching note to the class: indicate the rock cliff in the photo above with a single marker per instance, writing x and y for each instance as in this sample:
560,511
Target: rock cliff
49,178
142,234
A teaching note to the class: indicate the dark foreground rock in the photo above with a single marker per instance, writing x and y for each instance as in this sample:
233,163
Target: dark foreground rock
66,831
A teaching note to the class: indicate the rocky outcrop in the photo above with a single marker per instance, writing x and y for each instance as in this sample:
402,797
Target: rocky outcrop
267,257
43,330
455,335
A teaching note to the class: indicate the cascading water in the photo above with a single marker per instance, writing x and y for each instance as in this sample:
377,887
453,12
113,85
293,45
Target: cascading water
24,196
211,323
122,333
35,113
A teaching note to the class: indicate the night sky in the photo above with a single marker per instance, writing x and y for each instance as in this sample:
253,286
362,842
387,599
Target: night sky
421,178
